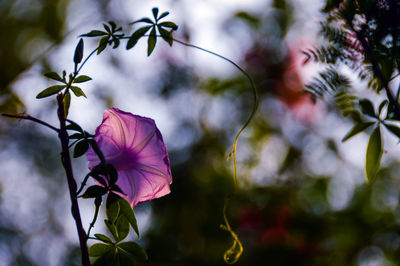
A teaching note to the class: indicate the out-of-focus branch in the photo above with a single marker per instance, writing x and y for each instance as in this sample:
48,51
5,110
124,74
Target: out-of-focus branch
34,119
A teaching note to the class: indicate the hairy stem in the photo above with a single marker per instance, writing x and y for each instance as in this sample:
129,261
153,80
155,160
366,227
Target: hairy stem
66,161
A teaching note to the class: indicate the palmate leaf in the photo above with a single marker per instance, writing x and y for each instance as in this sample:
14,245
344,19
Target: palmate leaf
367,108
55,76
82,78
99,249
78,91
393,129
134,249
136,36
151,42
166,35
374,154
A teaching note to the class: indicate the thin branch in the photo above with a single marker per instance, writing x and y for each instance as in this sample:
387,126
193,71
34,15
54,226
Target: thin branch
66,161
34,119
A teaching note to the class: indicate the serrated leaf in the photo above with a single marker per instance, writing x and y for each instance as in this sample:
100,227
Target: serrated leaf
78,91
136,36
127,211
102,44
169,24
78,55
94,33
357,129
54,75
374,154
99,249
166,35
50,91
163,15
111,228
94,191
67,102
112,207
103,238
81,148
82,78
134,249
367,107
155,12
151,42
123,227
395,130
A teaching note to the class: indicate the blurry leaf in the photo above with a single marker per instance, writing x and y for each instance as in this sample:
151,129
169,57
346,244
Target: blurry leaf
155,12
81,148
94,33
78,55
103,238
395,130
77,136
78,91
381,106
82,78
125,258
168,24
116,43
367,107
151,42
107,28
94,191
123,227
136,36
126,209
252,20
163,15
113,25
99,179
50,91
67,102
374,154
108,259
73,126
145,20
134,249
112,207
357,129
54,75
99,249
102,44
116,188
111,228
166,35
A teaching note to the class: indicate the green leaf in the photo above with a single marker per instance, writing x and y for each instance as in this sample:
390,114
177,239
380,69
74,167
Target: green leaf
116,43
108,259
82,78
103,238
127,211
67,102
374,154
111,228
155,12
395,130
112,207
50,91
125,258
151,42
357,129
145,20
55,76
78,91
81,148
94,191
123,227
169,24
166,35
107,28
134,249
367,108
102,44
78,55
76,136
381,106
99,249
136,36
113,25
94,33
73,126
163,15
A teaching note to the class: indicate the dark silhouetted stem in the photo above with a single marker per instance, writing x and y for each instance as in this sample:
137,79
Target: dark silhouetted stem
34,119
66,160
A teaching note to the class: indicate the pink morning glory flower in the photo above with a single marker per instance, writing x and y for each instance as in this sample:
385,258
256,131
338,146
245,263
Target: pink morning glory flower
134,146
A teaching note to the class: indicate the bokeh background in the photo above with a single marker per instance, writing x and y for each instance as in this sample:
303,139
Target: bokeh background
302,197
